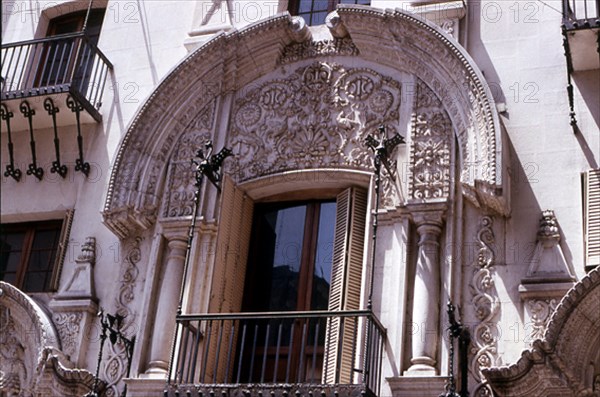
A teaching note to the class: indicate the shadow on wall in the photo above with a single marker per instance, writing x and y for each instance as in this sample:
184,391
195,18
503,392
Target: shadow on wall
588,85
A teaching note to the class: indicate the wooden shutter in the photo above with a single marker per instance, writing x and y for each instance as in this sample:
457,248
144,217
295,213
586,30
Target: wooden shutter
227,289
345,290
592,218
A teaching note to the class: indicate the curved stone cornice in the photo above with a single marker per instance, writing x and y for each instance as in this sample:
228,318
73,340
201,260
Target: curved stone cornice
230,61
560,358
36,321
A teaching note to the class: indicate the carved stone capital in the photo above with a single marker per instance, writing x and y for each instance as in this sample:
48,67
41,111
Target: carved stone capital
428,217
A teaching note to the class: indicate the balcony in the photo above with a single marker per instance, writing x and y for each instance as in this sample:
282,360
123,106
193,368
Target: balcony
581,26
316,353
54,67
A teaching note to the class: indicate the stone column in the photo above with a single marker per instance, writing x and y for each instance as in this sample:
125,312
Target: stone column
426,297
167,298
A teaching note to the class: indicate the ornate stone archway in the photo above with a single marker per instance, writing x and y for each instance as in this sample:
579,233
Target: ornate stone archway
191,97
566,361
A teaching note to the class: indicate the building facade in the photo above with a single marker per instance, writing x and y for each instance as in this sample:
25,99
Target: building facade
293,266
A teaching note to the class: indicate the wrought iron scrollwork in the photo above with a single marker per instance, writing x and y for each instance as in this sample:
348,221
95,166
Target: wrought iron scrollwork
33,168
57,167
11,170
460,332
76,107
111,329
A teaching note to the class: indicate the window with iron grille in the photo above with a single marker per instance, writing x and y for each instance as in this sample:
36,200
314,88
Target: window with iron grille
315,11
31,254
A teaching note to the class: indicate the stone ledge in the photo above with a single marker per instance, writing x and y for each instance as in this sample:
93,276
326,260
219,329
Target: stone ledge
422,386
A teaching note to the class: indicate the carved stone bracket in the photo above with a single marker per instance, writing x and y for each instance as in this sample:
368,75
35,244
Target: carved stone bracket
548,278
75,306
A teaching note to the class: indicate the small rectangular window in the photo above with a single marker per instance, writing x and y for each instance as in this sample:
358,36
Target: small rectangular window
592,218
314,12
31,254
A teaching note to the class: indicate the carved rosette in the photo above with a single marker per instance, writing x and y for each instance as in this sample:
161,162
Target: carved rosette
179,194
318,116
487,308
115,361
430,149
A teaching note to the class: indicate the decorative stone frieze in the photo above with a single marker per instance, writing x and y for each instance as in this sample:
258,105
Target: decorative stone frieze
114,364
316,117
180,191
486,302
314,49
430,150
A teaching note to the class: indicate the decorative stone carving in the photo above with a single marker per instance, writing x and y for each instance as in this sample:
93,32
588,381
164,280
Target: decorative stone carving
396,39
68,327
81,283
430,147
559,364
313,49
179,194
114,365
317,117
487,308
539,311
548,263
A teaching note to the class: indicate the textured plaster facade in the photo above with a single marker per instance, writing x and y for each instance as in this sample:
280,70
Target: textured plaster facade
477,90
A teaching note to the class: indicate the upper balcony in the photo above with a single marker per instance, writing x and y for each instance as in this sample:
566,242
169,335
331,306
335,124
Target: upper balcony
581,27
56,67
314,353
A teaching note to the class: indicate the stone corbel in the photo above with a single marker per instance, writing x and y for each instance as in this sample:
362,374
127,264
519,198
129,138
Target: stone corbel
429,220
548,278
75,306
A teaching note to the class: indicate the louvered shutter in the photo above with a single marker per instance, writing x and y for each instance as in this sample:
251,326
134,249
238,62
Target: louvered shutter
592,218
233,240
346,281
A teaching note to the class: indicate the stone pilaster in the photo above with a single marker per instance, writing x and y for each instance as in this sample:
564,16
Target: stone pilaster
429,219
167,303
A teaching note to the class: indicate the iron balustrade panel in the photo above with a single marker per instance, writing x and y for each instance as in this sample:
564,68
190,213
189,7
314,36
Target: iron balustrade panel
279,348
581,14
62,63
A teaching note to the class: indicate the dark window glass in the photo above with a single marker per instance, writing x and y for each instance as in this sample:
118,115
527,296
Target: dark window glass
314,12
28,254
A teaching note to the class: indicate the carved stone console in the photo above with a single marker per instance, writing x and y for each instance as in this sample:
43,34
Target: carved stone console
75,306
548,279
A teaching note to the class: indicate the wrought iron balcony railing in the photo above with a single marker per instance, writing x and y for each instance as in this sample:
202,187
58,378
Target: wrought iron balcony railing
67,63
278,353
581,14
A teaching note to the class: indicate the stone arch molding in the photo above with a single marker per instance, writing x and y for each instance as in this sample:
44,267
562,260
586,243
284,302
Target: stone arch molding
31,362
566,361
189,98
